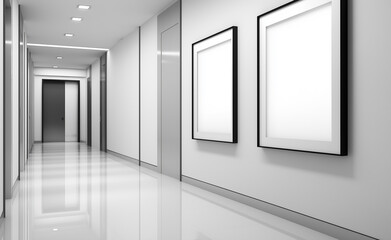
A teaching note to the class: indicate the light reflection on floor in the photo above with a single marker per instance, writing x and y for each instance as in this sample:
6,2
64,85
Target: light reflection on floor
70,192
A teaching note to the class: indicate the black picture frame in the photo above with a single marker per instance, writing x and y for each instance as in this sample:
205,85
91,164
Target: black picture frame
229,35
338,142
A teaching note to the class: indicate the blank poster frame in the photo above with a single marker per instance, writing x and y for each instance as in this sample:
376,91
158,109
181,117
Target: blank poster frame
334,142
229,134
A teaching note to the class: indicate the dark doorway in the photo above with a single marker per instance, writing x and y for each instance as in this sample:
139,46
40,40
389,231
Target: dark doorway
103,102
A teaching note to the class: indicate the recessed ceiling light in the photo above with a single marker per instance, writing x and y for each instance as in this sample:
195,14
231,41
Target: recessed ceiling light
76,19
68,34
55,229
59,57
55,66
83,7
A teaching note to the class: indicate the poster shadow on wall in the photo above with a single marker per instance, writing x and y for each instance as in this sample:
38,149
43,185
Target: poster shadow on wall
219,148
311,162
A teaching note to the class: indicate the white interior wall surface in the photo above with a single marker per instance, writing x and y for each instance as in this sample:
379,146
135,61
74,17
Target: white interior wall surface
59,74
15,90
148,91
123,97
352,192
95,104
25,98
31,101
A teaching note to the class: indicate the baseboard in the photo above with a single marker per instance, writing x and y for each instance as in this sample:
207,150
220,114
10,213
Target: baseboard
149,166
119,155
290,215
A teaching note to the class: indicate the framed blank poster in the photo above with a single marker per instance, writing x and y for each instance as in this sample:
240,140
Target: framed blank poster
215,87
302,77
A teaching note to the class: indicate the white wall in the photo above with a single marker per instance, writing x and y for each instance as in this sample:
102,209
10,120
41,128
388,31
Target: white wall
148,88
123,97
353,191
95,104
31,101
59,74
15,90
25,99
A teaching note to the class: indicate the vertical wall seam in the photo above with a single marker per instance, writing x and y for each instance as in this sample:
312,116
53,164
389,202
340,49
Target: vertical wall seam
180,90
139,95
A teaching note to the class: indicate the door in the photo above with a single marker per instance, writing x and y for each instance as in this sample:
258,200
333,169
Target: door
22,154
72,125
89,109
170,103
169,71
103,102
53,111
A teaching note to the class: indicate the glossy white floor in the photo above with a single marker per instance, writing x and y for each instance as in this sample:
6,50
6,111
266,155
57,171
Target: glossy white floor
70,192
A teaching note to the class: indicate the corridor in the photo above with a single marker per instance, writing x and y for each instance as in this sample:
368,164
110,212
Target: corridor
71,192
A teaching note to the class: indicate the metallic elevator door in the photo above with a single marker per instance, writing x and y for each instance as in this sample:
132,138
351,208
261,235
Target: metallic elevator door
169,44
171,102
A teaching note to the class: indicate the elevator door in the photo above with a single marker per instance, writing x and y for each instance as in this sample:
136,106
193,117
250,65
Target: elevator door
53,111
171,102
89,114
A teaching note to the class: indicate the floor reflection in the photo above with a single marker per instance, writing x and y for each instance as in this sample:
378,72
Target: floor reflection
69,191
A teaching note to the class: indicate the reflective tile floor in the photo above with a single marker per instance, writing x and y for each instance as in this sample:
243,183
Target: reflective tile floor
69,192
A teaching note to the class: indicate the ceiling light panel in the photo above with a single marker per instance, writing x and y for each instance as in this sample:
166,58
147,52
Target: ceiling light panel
77,19
66,47
68,35
83,7
59,57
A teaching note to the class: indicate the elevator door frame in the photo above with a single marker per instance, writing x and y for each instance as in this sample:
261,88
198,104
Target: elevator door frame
78,105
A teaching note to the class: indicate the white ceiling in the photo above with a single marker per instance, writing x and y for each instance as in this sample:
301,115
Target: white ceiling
72,58
103,26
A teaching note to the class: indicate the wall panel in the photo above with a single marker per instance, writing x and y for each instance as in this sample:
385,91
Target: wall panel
123,97
95,115
148,91
333,189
